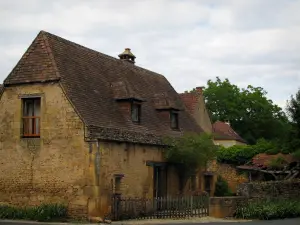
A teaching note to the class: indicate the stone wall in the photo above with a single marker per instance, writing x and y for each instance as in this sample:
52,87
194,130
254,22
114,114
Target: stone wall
224,207
52,168
228,173
270,189
133,163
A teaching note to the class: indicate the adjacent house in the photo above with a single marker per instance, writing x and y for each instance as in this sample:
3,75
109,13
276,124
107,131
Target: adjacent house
77,126
224,135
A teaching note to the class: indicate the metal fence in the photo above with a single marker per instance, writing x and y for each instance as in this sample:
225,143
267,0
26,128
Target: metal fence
161,207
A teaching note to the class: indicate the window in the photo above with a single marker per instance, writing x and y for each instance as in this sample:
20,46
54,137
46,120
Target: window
118,183
174,120
136,112
31,117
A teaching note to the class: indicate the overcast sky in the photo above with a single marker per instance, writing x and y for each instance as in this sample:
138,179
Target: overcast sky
253,42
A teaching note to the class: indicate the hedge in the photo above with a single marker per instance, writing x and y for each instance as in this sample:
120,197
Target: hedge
269,210
44,212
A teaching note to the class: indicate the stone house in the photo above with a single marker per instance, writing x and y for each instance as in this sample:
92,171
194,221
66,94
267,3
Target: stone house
223,135
77,126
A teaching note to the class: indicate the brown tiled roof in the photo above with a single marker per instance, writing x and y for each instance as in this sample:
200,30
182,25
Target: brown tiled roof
263,160
93,81
223,131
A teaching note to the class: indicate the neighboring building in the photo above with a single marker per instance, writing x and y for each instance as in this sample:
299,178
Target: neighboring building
195,104
77,126
224,135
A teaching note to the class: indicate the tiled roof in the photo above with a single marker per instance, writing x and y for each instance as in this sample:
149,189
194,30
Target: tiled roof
223,131
263,160
94,81
1,88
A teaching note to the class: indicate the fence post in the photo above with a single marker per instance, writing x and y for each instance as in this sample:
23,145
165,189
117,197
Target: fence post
191,206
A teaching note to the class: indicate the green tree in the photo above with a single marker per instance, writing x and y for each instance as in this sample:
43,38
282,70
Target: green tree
222,188
293,111
189,153
248,110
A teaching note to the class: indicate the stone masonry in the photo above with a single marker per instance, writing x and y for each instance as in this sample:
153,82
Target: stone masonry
272,189
52,168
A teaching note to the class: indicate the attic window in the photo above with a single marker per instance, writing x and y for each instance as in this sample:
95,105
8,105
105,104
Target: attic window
136,112
31,117
174,120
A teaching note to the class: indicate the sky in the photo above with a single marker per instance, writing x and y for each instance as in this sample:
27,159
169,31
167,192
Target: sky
253,42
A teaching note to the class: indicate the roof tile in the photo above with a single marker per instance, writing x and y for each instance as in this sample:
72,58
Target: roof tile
93,81
223,131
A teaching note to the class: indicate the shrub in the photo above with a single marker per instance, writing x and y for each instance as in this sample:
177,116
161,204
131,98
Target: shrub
221,188
241,154
44,212
268,210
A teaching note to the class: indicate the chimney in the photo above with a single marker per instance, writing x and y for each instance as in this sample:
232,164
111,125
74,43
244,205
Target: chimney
127,56
199,90
227,122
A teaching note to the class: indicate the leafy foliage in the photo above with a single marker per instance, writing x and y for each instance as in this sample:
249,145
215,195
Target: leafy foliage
248,110
241,154
189,152
277,163
293,111
269,209
222,188
44,212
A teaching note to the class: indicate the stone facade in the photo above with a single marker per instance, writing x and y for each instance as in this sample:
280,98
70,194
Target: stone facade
228,173
62,166
225,207
52,168
288,189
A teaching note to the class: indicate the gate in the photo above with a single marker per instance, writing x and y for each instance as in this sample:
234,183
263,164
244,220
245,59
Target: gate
162,207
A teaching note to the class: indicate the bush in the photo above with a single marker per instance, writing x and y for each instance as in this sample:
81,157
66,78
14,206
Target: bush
44,212
241,154
268,210
221,188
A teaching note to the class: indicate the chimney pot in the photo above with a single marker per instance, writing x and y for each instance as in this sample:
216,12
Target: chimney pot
127,56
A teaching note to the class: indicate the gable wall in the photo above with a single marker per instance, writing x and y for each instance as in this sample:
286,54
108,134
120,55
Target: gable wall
228,143
52,168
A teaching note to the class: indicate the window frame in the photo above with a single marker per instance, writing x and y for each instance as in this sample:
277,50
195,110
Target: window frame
173,113
34,119
139,111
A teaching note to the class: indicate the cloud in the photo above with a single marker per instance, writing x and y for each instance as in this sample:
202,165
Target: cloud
189,41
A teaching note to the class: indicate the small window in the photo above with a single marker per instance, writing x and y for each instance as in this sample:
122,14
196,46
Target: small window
117,184
31,117
174,120
136,112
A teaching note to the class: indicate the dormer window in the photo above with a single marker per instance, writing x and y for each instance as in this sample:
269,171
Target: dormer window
136,112
174,120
